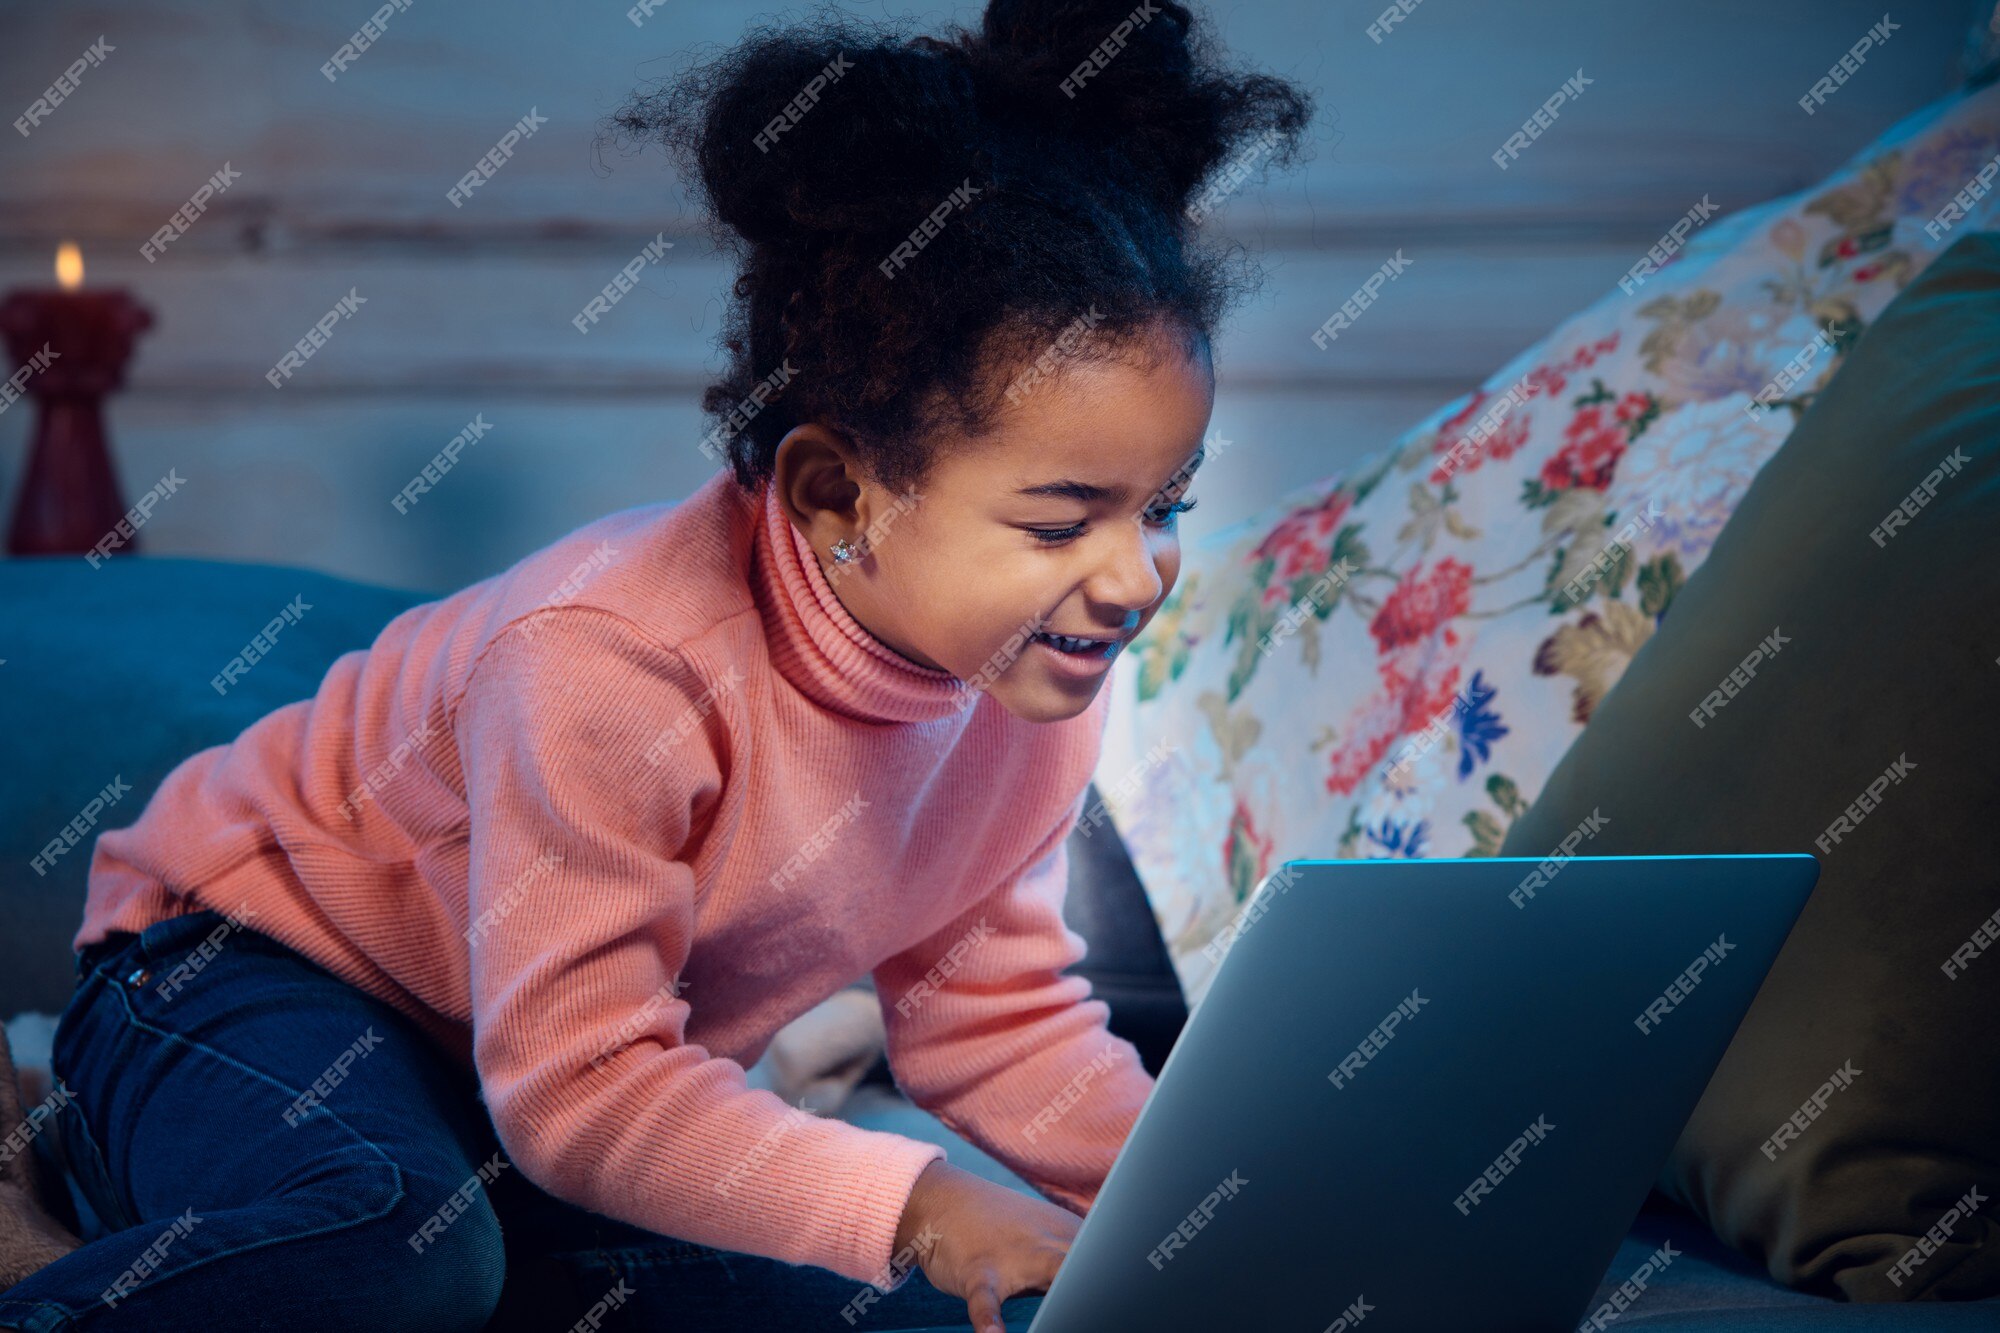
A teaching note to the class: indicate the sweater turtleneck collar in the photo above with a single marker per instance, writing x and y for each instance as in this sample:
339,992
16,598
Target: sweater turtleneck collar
818,646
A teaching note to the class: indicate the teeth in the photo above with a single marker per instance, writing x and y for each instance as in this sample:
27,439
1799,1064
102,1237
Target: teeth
1070,645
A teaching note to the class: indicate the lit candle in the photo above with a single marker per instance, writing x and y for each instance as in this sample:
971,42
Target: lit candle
69,347
69,266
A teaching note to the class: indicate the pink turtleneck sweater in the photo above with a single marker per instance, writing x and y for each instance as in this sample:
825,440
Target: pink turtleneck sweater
603,823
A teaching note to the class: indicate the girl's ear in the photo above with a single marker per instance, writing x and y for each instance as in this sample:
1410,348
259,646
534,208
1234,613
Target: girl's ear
818,476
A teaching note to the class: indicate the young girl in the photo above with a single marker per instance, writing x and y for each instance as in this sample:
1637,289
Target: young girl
444,980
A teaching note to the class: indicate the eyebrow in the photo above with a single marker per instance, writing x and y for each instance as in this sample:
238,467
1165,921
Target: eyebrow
1084,492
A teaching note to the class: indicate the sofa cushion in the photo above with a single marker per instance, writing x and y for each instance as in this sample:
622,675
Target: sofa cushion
1390,662
1696,1284
113,689
1825,684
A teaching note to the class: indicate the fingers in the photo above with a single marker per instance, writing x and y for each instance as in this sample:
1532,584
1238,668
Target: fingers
984,1304
1035,1276
1023,1279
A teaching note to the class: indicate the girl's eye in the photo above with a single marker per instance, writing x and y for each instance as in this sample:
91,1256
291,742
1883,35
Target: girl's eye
1159,514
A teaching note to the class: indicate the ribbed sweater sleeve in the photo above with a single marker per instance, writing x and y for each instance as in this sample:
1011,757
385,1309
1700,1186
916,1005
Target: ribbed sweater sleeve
580,920
986,1033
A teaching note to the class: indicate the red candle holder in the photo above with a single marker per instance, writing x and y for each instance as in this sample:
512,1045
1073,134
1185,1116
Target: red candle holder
72,346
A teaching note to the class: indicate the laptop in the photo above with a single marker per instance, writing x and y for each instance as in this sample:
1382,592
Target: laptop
1424,1095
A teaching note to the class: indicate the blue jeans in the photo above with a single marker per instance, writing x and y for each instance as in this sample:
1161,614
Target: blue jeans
228,1196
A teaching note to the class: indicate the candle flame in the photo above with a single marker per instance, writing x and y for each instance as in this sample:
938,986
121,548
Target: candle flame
69,266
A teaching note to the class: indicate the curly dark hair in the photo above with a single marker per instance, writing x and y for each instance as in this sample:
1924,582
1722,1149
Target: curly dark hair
818,149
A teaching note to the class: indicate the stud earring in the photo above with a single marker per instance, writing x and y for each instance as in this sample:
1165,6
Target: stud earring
845,551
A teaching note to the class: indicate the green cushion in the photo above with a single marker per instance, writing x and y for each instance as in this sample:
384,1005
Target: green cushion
111,684
1887,648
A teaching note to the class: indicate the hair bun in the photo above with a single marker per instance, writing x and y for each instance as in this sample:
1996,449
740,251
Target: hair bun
804,135
1135,81
1056,36
853,129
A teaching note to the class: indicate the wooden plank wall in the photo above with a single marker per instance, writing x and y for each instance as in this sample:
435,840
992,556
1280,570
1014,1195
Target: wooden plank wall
343,187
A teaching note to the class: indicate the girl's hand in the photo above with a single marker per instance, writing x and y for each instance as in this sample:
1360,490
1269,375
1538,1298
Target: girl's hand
983,1241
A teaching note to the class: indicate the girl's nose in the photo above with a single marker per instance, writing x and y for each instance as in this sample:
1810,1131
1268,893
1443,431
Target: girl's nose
1128,577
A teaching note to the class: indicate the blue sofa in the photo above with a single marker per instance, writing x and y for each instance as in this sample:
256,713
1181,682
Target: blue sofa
111,681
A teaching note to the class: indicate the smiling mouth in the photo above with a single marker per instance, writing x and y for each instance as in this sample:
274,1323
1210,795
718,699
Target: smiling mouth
1079,646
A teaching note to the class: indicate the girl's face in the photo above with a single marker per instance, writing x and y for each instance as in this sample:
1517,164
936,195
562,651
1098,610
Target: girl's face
1060,521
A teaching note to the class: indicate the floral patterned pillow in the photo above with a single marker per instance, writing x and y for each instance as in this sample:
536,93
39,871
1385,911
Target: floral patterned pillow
1390,663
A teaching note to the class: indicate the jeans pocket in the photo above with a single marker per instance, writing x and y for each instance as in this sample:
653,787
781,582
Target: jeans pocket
77,1060
92,1179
